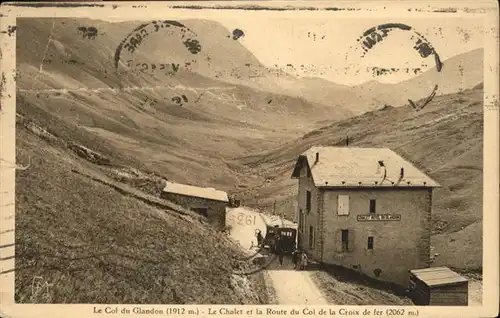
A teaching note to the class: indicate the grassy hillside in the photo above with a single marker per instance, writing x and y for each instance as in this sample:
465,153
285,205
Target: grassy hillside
98,240
444,140
193,142
102,142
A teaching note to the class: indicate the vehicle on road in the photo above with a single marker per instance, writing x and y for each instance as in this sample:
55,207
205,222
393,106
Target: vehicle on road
288,236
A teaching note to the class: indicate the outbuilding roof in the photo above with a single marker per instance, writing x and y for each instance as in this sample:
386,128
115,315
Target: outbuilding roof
438,276
192,191
360,167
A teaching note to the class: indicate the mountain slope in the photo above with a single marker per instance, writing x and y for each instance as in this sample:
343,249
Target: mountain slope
444,140
460,72
68,87
96,239
101,144
189,126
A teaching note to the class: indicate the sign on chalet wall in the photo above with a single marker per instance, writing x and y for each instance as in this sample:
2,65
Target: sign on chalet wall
379,217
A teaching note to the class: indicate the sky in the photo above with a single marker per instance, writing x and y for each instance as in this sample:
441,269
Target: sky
321,46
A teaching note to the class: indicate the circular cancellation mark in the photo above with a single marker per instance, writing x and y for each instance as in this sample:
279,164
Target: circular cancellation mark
375,35
131,44
261,259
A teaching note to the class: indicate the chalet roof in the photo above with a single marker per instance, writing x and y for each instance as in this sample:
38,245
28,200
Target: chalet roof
360,167
192,191
437,276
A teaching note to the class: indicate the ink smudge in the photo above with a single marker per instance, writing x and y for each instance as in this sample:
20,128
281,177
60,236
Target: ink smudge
11,29
90,32
193,46
237,33
131,42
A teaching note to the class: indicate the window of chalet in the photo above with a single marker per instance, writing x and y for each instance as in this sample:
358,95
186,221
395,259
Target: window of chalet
311,237
372,206
370,242
343,204
345,240
308,201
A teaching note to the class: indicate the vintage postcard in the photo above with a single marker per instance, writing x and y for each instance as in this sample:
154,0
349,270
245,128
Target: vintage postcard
249,159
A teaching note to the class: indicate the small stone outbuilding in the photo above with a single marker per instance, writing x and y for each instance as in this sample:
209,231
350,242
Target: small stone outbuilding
208,202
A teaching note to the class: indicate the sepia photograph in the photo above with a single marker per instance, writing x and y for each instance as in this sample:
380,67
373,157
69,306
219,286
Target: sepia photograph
321,156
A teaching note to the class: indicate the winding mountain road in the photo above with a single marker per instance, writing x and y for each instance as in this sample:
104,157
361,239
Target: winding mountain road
292,287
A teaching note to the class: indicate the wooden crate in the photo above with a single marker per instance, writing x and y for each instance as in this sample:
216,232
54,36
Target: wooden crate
438,286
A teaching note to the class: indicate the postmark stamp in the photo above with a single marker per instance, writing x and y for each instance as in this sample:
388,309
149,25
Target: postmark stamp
266,230
129,58
273,237
374,36
131,44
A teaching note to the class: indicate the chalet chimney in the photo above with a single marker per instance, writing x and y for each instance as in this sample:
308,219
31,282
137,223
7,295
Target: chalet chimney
402,173
317,157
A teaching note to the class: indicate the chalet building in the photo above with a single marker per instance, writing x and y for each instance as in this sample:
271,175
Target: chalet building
365,209
208,202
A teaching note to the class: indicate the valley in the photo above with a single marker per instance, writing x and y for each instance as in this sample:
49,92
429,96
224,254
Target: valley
102,141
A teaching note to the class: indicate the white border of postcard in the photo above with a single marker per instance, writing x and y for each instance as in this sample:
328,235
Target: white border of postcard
488,10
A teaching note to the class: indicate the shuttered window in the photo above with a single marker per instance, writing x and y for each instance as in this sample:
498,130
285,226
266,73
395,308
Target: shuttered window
343,204
308,201
311,237
344,241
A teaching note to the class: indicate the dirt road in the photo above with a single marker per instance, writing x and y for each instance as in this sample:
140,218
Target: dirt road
292,287
297,287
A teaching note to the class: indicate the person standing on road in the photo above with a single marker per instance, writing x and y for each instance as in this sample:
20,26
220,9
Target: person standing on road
295,258
279,249
303,260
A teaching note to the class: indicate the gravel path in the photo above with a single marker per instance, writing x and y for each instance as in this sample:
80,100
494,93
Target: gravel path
296,288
